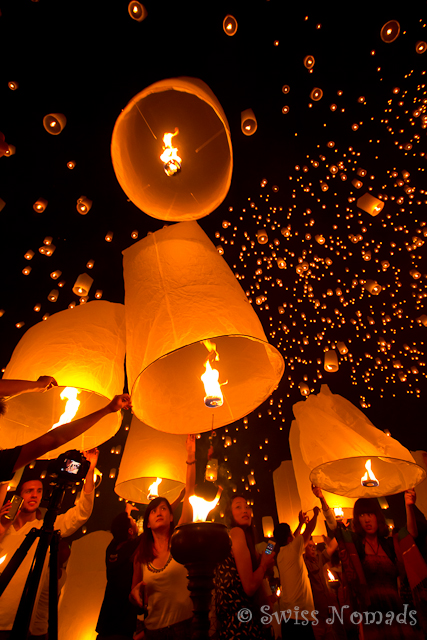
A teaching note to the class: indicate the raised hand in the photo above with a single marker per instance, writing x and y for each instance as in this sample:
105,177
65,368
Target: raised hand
122,401
92,456
46,383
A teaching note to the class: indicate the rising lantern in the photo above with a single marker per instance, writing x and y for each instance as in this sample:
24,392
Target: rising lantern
82,348
186,104
180,292
336,440
148,455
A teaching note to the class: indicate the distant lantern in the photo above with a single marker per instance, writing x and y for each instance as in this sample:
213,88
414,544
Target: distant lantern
211,471
11,151
168,326
316,94
55,274
203,143
286,88
13,85
29,255
309,62
48,240
229,25
357,184
134,235
320,239
373,287
53,295
338,463
370,204
82,285
109,236
248,122
83,205
26,271
304,389
98,294
137,11
71,164
40,205
342,348
330,362
150,454
262,236
64,344
90,264
267,526
54,123
421,46
390,31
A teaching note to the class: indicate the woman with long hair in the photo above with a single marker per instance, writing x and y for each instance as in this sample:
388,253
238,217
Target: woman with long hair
239,578
159,582
385,616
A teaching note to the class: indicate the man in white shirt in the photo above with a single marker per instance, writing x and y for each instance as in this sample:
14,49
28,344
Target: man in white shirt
14,534
296,600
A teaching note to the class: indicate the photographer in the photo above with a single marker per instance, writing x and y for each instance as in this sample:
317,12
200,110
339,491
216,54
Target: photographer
14,532
13,459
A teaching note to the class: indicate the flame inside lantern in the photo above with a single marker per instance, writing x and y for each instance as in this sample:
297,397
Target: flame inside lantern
170,158
71,407
213,397
339,513
201,507
369,479
153,489
3,558
331,577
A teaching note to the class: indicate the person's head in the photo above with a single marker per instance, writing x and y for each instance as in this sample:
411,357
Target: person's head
238,513
123,527
158,518
282,534
310,550
368,518
32,493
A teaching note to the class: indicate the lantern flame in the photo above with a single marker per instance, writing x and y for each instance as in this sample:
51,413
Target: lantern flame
331,577
3,558
202,508
369,479
278,592
213,397
71,407
153,489
170,158
339,513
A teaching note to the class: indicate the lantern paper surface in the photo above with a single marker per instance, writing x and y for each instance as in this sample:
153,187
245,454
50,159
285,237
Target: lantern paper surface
82,348
150,454
203,144
178,292
336,440
420,458
83,592
301,473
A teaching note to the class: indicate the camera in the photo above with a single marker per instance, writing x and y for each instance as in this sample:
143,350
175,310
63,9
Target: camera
70,467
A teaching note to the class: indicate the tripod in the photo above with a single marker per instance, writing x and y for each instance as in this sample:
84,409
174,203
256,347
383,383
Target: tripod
49,539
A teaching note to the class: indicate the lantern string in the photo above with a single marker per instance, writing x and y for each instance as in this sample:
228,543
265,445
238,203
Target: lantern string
142,116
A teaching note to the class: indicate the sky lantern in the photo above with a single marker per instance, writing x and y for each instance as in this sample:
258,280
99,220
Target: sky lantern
370,204
248,122
83,348
344,452
150,456
229,24
54,123
183,115
179,293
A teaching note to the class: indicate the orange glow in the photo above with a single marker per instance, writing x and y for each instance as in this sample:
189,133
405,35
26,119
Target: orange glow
153,489
339,513
331,577
213,397
71,407
202,508
3,558
369,479
170,157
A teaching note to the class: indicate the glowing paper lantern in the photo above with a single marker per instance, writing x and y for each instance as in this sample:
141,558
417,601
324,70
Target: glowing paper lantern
203,142
83,592
371,205
179,292
373,287
150,454
335,442
331,361
248,122
54,123
40,205
267,526
390,31
137,11
288,502
230,25
82,285
82,348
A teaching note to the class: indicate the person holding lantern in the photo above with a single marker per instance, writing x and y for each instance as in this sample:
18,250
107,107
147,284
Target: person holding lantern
239,578
159,582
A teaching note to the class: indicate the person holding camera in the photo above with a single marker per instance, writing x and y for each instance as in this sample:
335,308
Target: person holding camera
14,531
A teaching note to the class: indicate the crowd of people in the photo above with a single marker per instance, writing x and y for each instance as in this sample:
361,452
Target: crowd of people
361,582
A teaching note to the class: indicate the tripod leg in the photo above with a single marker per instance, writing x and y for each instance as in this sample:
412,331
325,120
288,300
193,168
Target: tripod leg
53,587
17,558
25,609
